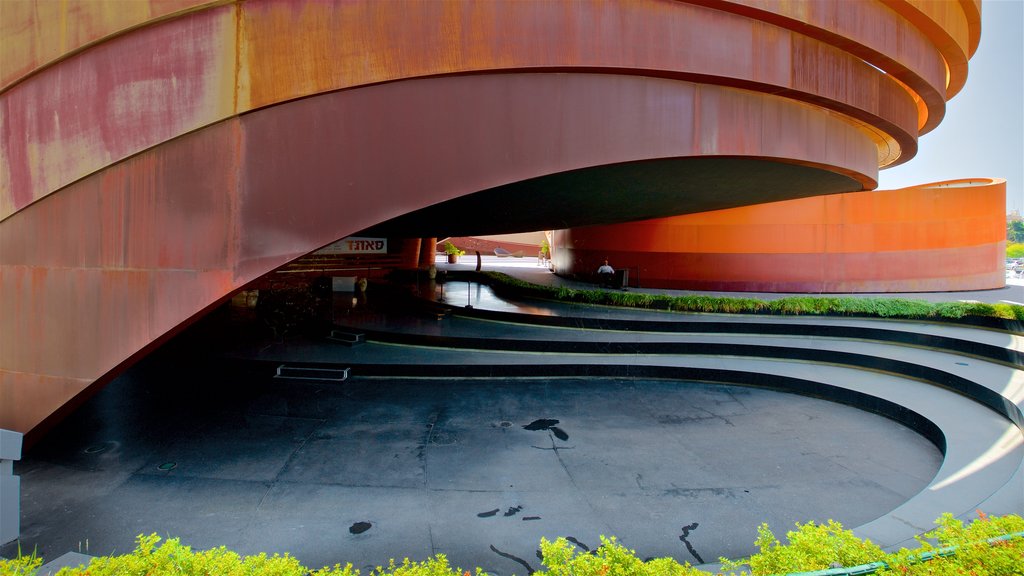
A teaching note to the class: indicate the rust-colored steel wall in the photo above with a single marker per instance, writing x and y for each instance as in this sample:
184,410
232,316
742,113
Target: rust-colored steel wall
935,237
158,154
140,88
38,34
121,258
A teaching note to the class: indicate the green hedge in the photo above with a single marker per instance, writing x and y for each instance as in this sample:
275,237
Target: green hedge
958,549
792,305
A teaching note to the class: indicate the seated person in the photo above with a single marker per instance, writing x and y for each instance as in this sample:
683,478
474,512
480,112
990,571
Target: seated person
606,274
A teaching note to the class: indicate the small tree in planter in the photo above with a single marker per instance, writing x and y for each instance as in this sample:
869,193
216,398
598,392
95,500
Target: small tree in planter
453,252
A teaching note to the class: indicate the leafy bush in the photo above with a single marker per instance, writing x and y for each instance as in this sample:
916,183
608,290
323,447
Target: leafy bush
811,547
973,551
610,559
20,566
150,558
436,566
989,546
173,558
961,550
450,248
1015,250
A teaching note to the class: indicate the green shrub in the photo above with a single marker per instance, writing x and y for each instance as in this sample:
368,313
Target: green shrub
150,558
1015,250
450,248
974,555
610,559
988,546
1009,311
566,293
20,566
811,547
172,559
436,566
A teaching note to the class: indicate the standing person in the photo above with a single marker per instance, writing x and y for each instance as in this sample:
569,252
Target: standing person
605,273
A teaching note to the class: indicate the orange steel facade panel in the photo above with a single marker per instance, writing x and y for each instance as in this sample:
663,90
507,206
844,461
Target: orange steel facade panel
946,236
116,99
37,34
167,200
140,248
142,88
872,32
952,29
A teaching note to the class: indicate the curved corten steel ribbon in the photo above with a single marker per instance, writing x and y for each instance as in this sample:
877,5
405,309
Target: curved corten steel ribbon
946,236
159,155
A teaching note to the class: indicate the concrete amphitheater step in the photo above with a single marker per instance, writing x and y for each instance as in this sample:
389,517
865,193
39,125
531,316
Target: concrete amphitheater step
960,387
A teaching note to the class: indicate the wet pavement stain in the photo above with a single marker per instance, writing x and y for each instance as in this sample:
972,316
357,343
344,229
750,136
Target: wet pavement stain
578,543
689,547
359,527
540,424
529,569
547,424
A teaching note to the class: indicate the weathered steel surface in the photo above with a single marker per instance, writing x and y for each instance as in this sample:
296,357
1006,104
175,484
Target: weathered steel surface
498,129
953,27
41,33
949,236
114,100
145,87
868,30
115,257
168,200
37,34
134,251
666,39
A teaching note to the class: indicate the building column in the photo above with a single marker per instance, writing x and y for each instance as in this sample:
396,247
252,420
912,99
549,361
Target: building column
428,253
10,487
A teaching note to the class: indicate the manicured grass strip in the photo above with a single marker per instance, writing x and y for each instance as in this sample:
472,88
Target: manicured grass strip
791,305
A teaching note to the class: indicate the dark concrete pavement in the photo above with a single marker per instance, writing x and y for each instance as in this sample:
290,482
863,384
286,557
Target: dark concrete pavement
192,444
372,469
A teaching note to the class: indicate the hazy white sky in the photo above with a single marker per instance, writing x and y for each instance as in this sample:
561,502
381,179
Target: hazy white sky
982,134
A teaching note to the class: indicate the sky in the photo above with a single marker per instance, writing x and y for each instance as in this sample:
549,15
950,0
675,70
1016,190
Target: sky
982,134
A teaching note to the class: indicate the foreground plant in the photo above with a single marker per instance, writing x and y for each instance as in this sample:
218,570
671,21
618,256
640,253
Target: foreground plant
985,547
610,559
988,546
172,558
20,566
811,547
151,558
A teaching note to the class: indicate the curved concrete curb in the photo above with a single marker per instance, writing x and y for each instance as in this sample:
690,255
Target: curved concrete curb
962,392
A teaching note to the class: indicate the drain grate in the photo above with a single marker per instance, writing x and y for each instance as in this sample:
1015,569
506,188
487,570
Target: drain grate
347,338
301,373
